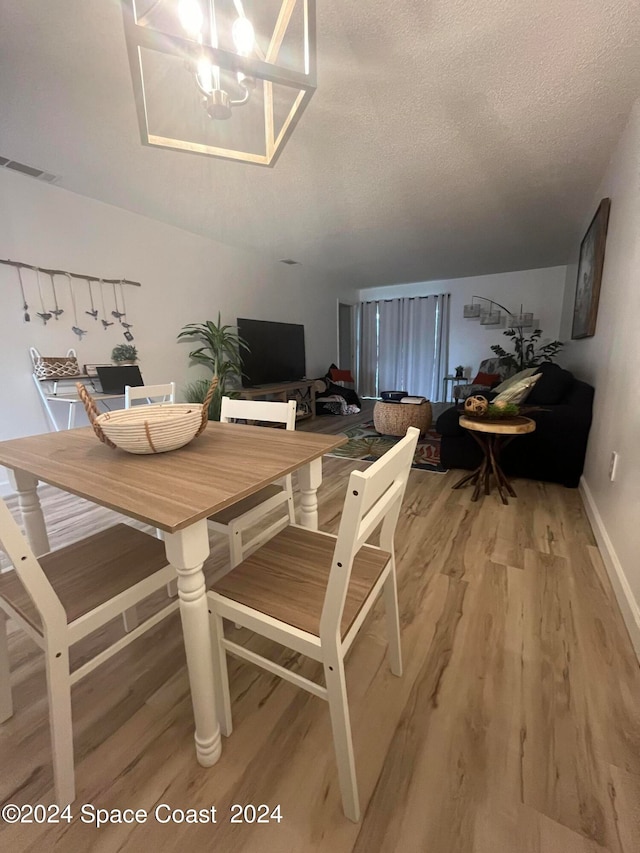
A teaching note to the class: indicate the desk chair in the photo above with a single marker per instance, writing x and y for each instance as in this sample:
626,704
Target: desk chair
236,519
149,392
311,592
62,597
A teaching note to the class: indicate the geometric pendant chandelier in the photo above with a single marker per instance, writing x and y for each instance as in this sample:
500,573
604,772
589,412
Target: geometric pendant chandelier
223,78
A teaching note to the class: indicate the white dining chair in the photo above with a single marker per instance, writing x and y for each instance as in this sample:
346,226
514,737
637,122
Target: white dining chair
60,598
238,518
166,392
311,592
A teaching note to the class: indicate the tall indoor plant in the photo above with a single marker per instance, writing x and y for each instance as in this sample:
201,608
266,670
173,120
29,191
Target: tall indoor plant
527,351
220,353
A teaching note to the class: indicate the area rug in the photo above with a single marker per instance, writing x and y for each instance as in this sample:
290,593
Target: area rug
368,445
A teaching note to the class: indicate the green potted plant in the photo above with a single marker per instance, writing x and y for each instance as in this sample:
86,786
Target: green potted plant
527,351
124,354
220,353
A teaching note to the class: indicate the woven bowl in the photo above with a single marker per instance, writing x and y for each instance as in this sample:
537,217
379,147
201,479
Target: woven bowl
152,429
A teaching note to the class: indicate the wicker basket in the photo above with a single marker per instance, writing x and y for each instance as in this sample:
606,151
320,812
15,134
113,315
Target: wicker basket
156,428
54,367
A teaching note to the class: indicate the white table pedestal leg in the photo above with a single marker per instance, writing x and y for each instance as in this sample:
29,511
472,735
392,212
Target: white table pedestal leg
26,485
186,551
309,480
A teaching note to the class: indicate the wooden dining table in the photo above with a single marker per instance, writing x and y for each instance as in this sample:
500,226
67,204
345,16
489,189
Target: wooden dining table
175,492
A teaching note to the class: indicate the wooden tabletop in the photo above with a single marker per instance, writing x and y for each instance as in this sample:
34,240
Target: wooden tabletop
171,490
499,426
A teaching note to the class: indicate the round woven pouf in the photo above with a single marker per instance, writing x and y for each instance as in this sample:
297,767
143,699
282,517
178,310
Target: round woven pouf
396,418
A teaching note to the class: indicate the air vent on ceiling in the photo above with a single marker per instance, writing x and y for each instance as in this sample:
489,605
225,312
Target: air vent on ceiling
28,170
289,261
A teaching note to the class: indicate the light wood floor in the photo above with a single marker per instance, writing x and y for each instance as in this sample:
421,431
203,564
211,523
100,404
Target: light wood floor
515,728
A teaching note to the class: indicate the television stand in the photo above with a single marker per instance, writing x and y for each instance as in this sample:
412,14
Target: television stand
303,391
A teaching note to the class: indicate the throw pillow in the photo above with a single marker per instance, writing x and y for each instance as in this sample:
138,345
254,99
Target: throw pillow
519,391
487,379
521,374
553,386
340,375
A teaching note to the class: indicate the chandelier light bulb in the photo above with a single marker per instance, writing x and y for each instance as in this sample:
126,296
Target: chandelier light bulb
191,17
205,74
243,36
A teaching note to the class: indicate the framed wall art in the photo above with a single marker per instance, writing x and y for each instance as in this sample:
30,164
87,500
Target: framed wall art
590,264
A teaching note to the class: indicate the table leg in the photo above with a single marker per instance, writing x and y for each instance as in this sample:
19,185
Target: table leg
26,486
497,473
481,475
498,447
507,484
309,480
491,445
186,551
473,476
483,472
47,408
487,479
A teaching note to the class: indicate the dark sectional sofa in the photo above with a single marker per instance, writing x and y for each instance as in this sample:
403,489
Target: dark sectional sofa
554,452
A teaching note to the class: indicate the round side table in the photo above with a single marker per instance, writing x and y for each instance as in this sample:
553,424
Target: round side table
492,436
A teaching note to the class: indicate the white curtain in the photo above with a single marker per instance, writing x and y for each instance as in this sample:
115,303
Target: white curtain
367,367
390,340
404,345
441,351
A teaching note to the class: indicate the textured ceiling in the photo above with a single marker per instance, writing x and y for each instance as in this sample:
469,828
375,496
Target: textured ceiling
446,137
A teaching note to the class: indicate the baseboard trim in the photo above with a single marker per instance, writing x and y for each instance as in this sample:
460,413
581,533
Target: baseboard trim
624,595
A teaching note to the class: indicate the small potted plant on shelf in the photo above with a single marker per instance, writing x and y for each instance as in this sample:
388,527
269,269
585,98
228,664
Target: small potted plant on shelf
124,354
460,371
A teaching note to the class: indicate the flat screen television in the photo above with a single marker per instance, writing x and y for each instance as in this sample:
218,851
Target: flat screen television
276,352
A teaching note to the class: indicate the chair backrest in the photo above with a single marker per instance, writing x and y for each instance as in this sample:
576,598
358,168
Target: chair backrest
149,392
259,410
496,365
29,570
373,496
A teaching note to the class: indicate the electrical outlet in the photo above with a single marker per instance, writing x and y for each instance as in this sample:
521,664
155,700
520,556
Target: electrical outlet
613,465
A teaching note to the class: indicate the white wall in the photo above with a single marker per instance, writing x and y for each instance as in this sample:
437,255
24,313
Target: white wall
540,291
610,361
185,278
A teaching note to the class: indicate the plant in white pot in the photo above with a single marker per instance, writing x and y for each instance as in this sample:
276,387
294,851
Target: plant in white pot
124,354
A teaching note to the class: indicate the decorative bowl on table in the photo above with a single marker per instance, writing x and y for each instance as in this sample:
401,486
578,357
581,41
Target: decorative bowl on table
155,428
